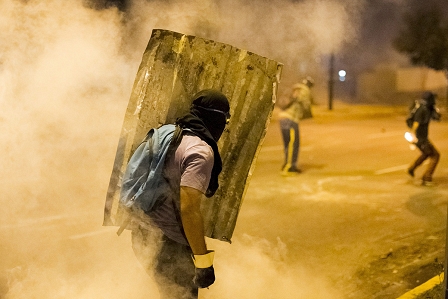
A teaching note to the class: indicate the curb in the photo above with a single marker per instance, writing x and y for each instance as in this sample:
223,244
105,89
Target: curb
436,280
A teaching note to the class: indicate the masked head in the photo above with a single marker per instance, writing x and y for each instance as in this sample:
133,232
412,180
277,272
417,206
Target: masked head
308,81
429,98
212,107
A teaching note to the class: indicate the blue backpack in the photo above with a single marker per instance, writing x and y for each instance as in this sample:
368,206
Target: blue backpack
143,185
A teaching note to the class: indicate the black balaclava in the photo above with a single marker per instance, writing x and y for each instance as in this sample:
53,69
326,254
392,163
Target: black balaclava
208,125
429,98
214,121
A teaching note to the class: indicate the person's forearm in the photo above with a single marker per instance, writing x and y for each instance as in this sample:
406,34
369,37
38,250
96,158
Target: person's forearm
194,231
415,127
192,220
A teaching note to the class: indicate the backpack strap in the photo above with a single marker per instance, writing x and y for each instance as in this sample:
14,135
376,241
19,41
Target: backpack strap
177,138
175,141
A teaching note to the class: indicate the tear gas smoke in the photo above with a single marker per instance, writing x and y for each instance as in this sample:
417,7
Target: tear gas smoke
254,268
300,34
66,73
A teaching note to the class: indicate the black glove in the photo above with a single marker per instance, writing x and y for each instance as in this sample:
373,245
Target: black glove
204,277
204,271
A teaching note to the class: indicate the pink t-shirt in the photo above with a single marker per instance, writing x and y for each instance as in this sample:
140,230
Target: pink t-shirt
194,161
190,166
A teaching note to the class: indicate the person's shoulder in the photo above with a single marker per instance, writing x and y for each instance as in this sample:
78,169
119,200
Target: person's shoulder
298,86
193,142
423,109
192,139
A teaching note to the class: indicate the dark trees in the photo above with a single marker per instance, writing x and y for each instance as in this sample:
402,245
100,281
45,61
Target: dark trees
425,38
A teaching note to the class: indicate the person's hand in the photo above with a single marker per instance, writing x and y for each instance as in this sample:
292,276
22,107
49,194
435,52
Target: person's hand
204,277
204,271
410,137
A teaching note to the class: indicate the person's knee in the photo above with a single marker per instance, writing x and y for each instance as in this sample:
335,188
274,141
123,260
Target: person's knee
436,156
434,153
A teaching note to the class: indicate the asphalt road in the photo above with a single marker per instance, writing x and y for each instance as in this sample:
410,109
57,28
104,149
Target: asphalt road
353,216
352,225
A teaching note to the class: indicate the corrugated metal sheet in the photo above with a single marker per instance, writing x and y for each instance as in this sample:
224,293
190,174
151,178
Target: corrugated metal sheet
174,67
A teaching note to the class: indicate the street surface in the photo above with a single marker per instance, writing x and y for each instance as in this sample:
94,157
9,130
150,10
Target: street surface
353,216
352,225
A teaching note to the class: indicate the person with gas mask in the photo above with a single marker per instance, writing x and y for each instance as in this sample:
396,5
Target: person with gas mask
171,246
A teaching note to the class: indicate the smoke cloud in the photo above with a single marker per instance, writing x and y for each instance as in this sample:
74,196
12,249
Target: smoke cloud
299,34
255,268
66,73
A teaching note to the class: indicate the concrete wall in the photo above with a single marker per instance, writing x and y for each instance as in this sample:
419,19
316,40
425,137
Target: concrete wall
377,86
388,84
418,79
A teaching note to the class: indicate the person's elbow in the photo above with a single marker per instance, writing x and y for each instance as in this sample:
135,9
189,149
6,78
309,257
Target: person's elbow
190,200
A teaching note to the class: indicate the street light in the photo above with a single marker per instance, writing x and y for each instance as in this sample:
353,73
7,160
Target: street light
342,75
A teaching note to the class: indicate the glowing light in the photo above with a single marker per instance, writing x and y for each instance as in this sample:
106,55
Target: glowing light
342,75
409,136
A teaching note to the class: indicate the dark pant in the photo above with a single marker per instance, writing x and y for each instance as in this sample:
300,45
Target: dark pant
427,150
169,262
291,142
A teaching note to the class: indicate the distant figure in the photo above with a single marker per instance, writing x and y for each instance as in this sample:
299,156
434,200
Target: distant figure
297,108
425,110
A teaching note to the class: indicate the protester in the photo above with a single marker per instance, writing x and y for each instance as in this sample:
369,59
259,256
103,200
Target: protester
299,108
425,111
171,244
